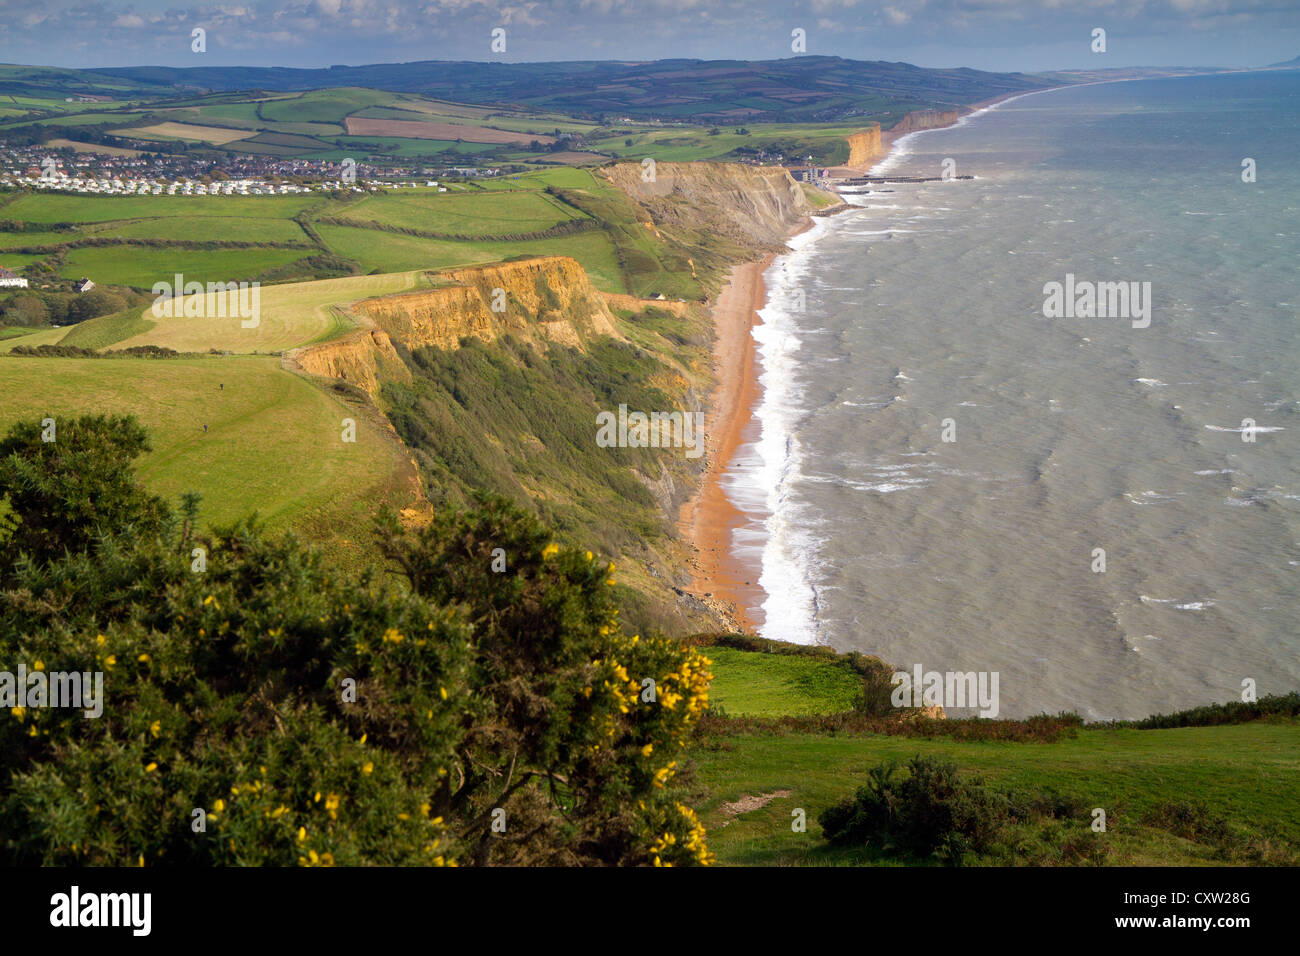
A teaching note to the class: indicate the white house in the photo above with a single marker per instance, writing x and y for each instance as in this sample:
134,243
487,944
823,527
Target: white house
11,280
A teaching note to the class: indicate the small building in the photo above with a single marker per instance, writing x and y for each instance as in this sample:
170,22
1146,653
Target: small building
83,285
11,280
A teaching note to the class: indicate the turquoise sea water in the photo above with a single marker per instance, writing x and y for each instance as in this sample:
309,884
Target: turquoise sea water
923,316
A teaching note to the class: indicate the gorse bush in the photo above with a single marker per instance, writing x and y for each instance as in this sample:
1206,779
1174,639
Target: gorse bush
593,716
457,715
930,811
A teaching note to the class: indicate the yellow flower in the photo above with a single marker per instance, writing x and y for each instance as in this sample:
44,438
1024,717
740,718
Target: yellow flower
99,639
38,665
368,768
219,806
302,834
144,658
110,660
551,550
443,692
155,727
647,750
151,768
589,555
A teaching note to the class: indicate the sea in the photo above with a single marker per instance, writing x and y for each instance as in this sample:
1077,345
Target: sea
949,471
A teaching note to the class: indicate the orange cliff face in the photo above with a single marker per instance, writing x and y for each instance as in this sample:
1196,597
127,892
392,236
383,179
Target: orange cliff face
544,299
925,119
363,358
864,146
548,297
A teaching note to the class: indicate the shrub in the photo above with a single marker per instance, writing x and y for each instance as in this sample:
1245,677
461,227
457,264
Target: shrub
1190,819
68,491
931,811
316,717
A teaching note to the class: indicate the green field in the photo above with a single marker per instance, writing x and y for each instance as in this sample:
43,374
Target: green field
376,249
479,214
262,428
19,240
1244,771
63,208
16,262
322,106
747,684
204,228
142,266
292,315
106,330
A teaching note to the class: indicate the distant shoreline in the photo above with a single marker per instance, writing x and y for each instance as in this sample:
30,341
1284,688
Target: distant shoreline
722,578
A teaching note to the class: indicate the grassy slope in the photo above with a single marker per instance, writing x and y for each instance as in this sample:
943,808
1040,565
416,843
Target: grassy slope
291,315
141,267
262,427
770,685
1245,771
485,214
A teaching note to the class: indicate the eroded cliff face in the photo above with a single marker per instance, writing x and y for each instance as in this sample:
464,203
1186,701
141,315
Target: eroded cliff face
363,358
754,206
543,299
925,119
864,146
548,298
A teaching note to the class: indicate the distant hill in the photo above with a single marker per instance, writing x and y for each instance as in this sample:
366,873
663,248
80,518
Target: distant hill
798,89
1292,63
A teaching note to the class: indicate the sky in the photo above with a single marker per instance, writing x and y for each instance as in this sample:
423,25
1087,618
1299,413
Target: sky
1002,35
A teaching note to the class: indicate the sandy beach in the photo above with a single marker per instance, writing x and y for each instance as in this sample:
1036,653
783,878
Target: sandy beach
708,518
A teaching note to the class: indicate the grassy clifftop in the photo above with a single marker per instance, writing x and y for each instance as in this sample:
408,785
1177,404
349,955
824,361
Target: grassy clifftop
1205,787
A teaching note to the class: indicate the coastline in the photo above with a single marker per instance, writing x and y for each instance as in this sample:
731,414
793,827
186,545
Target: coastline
720,578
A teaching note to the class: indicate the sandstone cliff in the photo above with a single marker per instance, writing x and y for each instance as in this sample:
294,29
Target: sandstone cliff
925,119
543,298
864,146
753,206
362,358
